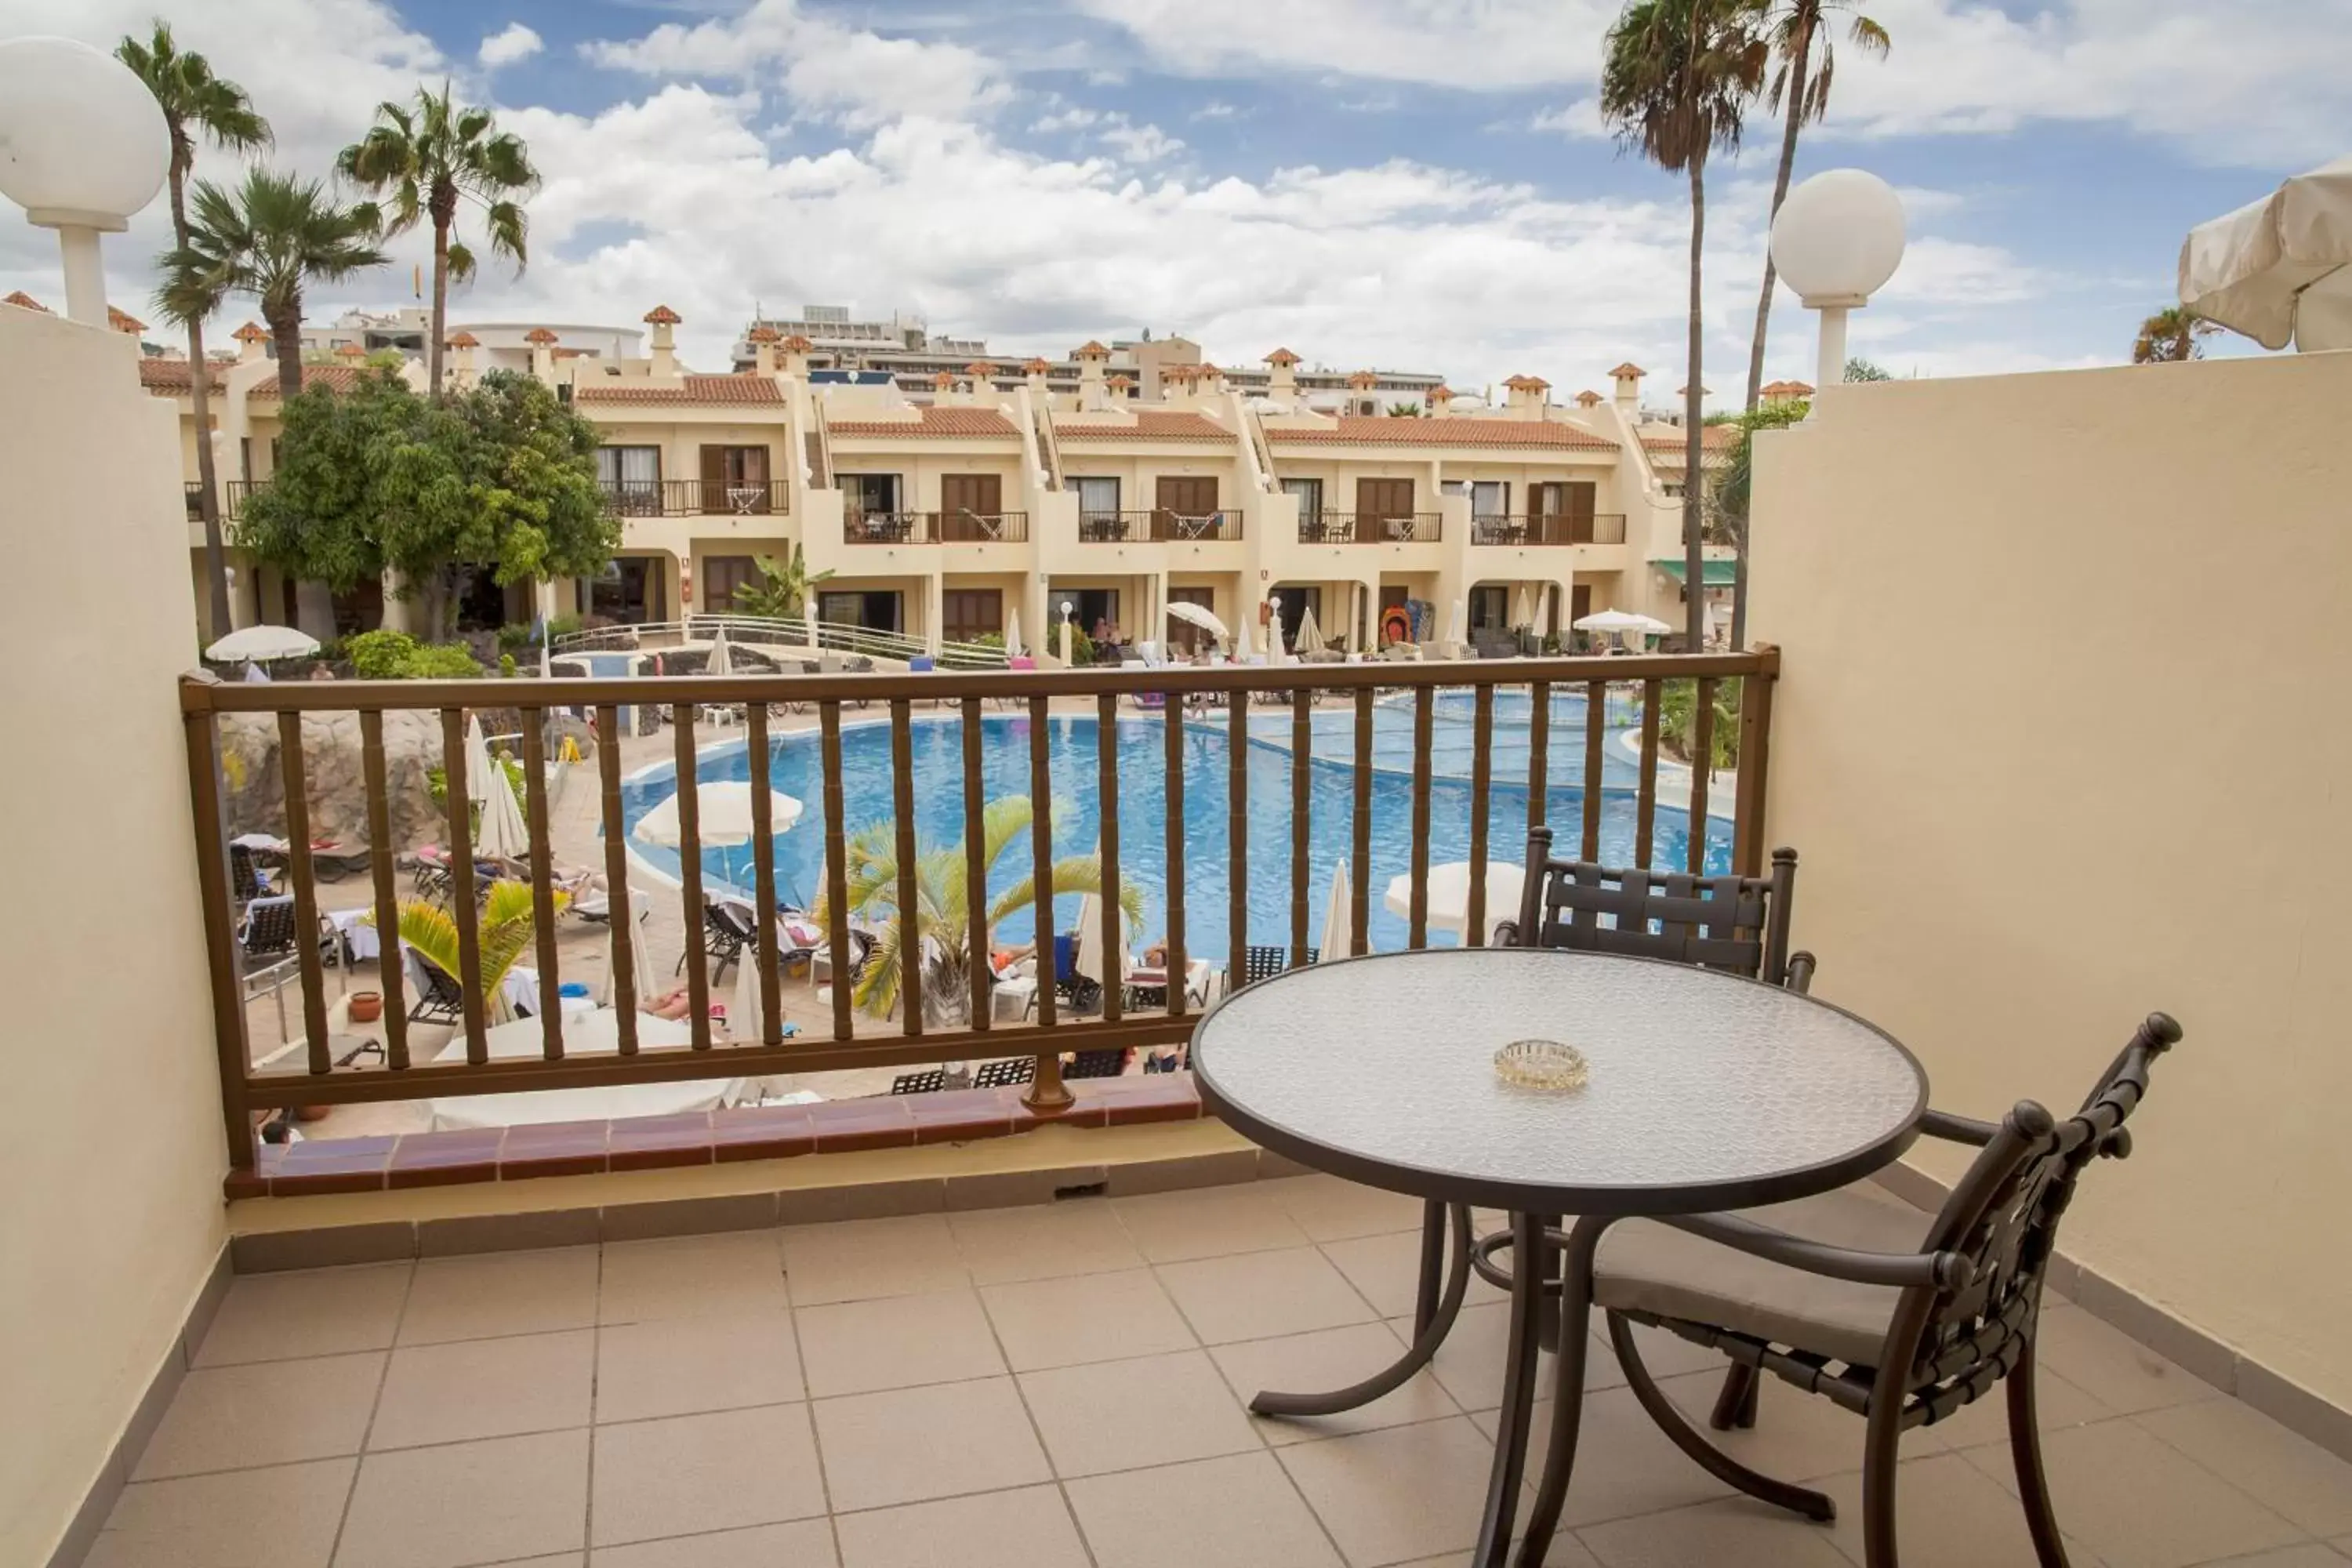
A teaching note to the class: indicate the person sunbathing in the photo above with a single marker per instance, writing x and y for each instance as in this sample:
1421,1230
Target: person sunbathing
677,1004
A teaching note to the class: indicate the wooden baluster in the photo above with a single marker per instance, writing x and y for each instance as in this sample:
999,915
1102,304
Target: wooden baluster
1755,756
1360,893
1645,805
391,977
1237,832
1482,732
1425,720
975,870
902,804
231,1048
1702,763
1302,748
1172,723
1046,1091
763,877
837,866
689,874
1596,721
306,900
623,922
459,819
1539,754
1113,916
543,887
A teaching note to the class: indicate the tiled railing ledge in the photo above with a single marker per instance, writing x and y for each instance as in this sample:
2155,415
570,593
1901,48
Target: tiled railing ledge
321,1166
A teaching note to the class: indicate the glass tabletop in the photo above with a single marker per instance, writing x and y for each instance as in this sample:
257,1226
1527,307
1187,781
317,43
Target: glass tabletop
1705,1090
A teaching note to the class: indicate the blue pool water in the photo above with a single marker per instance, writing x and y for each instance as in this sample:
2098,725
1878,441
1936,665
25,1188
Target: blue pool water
1072,741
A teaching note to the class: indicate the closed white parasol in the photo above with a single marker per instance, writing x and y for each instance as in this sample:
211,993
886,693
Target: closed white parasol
1339,917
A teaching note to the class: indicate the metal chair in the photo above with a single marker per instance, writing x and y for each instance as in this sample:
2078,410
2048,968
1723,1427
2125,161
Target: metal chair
1005,1074
1096,1064
1266,962
440,999
1902,1320
930,1080
727,929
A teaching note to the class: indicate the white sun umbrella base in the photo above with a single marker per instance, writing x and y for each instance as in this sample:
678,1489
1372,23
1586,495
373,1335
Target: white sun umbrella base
723,815
264,643
1449,895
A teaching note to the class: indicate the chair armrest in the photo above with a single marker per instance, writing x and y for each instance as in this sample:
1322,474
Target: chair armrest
1801,972
1902,1270
1507,933
1957,1129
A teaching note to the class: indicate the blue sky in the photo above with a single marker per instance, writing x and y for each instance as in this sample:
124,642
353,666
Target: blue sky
1403,182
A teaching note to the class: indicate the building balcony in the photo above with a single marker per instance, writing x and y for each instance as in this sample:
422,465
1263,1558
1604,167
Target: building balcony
692,498
239,493
196,499
1163,527
1548,528
1370,528
935,528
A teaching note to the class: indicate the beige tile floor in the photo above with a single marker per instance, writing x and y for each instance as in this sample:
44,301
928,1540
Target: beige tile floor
1065,1387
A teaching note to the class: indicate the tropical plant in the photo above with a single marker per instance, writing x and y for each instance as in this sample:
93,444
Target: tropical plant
1801,38
1678,722
270,237
1861,369
503,933
1675,79
422,159
943,914
1727,496
196,104
2170,336
783,590
1405,410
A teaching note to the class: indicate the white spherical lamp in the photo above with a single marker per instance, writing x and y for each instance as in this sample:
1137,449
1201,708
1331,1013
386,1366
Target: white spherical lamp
1837,240
83,145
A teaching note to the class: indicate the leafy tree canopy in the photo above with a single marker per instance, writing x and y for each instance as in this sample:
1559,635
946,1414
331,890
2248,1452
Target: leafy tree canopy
1860,369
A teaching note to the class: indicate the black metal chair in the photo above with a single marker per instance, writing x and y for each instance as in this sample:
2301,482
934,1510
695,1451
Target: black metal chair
1266,962
930,1080
248,878
1005,1074
726,930
439,998
1901,1319
1096,1064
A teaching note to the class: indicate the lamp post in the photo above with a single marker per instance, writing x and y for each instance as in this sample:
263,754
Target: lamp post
83,145
1066,608
1837,240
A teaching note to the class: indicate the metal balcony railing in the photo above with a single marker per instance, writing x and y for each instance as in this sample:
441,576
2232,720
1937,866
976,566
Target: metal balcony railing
1157,525
1550,528
1370,528
935,528
692,498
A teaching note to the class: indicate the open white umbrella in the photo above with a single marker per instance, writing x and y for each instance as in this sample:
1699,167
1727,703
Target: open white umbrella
722,657
723,817
262,643
1309,637
1199,616
2279,270
1339,917
1624,621
1449,895
1012,633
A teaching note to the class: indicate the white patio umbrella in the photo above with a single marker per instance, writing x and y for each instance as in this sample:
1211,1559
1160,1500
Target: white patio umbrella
1459,633
1309,637
263,642
1522,611
499,832
722,657
1012,633
1449,895
1089,959
1199,616
2279,270
1339,917
723,817
1624,621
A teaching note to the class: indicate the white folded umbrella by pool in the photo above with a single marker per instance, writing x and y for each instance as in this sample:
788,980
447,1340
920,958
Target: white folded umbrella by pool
723,813
1308,638
722,657
1089,960
1624,621
1012,633
1199,616
809,626
1523,611
499,832
1449,895
2279,270
264,642
1339,917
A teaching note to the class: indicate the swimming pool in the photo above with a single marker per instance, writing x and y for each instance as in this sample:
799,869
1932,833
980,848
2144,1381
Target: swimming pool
936,746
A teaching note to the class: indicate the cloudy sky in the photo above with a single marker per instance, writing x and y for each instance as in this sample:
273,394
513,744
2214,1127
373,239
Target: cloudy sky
1411,184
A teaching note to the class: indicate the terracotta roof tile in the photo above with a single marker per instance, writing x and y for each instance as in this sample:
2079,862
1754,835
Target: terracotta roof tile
539,335
663,316
164,376
1038,367
351,351
124,320
1375,430
463,340
251,332
1713,438
796,345
1151,424
937,424
763,333
334,377
694,389
1363,378
24,301
1528,383
1092,349
980,369
1282,356
1628,369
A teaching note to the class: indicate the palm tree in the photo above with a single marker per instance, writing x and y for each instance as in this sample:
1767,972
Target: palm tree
1675,78
782,593
943,913
504,932
2171,335
196,103
425,159
269,238
1798,35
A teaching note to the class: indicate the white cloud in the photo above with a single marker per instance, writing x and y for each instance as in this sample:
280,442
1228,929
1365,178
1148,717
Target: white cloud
1141,144
1482,45
514,42
1076,116
1579,119
1217,109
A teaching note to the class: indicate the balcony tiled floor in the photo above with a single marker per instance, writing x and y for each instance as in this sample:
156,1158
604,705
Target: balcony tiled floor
1063,1387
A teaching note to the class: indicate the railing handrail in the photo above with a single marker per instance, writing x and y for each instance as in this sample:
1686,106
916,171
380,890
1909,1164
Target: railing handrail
692,497
784,630
1334,527
1546,528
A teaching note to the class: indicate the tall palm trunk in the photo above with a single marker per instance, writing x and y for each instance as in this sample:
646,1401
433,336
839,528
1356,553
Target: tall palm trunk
1800,54
1695,477
285,318
200,399
444,208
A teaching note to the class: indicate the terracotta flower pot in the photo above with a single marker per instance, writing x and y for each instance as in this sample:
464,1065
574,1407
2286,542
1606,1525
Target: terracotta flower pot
367,1006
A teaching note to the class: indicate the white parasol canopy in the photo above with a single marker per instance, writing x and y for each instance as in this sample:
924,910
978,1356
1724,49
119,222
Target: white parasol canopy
1339,917
1624,621
723,817
2279,270
263,643
1088,959
1309,637
1449,895
1012,633
1199,616
722,657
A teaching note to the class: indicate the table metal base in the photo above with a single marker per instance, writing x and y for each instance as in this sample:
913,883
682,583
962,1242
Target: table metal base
1538,1249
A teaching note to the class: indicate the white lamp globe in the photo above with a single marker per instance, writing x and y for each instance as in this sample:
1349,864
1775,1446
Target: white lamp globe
1839,238
82,141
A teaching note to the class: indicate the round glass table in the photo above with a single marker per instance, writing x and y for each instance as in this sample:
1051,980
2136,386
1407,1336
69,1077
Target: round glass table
1704,1091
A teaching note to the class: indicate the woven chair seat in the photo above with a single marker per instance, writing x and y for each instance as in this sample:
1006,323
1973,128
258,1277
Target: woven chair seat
1656,1270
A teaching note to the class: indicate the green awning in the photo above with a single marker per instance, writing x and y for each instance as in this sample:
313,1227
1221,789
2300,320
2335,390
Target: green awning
1713,573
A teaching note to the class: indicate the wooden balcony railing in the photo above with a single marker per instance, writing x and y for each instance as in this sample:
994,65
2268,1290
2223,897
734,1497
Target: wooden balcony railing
1370,528
935,528
1550,528
239,493
1157,526
318,1077
692,498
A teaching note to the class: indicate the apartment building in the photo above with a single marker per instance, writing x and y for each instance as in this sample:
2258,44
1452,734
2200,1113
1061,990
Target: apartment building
991,497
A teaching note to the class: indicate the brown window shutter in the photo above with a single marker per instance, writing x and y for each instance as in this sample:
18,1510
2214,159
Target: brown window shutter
714,475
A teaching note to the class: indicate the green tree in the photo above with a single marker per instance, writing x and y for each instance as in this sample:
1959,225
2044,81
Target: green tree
270,237
1676,78
1801,88
2170,336
1861,369
1728,497
423,159
943,914
197,105
782,591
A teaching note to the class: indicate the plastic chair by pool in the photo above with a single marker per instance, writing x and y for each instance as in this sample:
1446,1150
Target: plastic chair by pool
921,663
